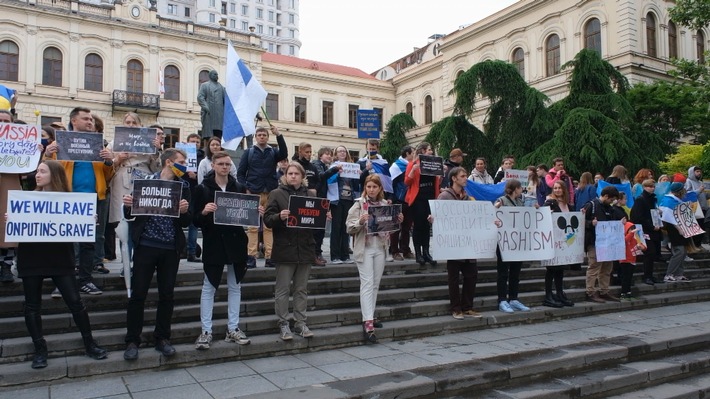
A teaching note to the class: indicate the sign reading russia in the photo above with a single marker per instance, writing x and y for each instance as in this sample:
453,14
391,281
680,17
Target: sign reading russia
368,124
19,147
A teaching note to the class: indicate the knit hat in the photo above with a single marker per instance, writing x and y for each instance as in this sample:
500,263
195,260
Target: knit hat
676,187
679,178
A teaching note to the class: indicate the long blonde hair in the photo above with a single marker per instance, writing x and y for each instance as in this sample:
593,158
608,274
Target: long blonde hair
374,178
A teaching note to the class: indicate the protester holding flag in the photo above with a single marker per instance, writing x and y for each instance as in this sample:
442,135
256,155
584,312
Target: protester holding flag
618,175
341,193
479,174
585,191
421,189
668,203
558,201
399,240
374,163
641,175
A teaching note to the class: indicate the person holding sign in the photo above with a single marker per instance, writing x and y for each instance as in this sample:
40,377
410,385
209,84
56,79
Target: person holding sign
558,201
369,250
341,193
33,267
294,251
641,214
223,245
421,189
598,273
158,242
668,203
8,181
626,266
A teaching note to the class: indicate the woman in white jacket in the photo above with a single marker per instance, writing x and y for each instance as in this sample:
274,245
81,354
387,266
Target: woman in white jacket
370,250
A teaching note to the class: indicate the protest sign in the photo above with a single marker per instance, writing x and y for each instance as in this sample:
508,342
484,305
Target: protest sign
686,222
383,218
640,236
156,197
525,233
568,236
610,244
79,146
191,151
19,152
430,165
656,218
307,212
136,140
519,175
463,230
50,216
236,209
350,170
368,124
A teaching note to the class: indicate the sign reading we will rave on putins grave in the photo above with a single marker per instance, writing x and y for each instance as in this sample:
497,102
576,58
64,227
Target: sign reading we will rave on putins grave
19,152
368,124
50,216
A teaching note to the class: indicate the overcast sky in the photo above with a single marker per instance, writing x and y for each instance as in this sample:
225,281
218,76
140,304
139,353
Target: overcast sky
369,34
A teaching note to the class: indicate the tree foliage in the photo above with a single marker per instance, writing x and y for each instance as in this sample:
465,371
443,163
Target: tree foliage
691,13
395,136
686,156
457,132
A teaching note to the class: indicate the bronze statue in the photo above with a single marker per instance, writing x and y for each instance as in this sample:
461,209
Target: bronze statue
211,100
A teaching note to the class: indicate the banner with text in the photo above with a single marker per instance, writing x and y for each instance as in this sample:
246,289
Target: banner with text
79,146
19,152
236,209
610,243
430,165
191,151
568,236
463,230
383,218
50,216
519,175
307,212
136,140
525,233
156,197
350,170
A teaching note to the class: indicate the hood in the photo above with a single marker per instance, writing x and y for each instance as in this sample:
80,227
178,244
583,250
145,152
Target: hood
691,173
475,172
301,191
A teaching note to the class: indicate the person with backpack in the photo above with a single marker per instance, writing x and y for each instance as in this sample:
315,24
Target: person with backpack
399,240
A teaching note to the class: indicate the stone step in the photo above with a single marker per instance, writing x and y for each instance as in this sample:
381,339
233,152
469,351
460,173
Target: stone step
695,387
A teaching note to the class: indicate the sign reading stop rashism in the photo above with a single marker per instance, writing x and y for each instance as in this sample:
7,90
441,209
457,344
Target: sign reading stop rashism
525,233
154,197
463,230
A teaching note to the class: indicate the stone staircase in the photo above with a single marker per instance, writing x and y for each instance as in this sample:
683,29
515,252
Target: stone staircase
412,303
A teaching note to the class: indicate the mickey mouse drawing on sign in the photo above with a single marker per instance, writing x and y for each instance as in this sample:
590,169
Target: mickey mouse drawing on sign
569,229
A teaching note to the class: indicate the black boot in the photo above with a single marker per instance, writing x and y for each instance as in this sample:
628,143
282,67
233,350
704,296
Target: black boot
562,298
427,257
39,361
551,301
418,255
92,350
6,275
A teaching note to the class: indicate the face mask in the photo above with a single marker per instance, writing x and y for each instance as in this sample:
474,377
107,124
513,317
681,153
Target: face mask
178,170
373,154
45,142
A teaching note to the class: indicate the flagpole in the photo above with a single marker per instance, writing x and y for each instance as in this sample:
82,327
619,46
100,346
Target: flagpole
266,115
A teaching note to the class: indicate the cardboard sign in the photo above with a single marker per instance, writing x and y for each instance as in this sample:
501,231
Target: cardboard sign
50,216
350,170
610,244
236,209
19,152
656,218
525,233
568,236
156,197
135,140
430,165
463,230
640,236
519,175
383,218
686,223
191,150
79,146
307,212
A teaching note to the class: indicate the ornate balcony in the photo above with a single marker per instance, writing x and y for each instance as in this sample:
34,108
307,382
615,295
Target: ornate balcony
138,102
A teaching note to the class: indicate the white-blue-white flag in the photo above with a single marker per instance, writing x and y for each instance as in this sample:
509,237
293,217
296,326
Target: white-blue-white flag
241,104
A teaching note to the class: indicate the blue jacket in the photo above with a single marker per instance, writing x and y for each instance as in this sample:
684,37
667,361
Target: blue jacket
257,167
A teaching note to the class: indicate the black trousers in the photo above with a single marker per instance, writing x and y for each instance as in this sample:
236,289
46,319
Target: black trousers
461,300
626,275
339,238
653,248
164,263
420,211
508,279
554,274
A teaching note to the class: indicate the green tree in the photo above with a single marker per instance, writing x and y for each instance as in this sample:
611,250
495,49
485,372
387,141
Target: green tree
395,136
686,156
692,13
457,132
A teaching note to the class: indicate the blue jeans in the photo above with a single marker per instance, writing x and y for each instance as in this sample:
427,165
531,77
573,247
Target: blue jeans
234,297
191,239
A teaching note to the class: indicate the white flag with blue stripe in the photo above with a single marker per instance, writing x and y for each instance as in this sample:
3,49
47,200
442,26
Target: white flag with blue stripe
241,104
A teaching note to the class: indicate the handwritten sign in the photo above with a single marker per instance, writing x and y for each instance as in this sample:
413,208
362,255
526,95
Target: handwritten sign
430,165
79,146
656,218
350,170
136,140
610,244
568,236
519,175
191,151
43,216
236,209
525,233
18,147
383,218
156,197
307,212
463,230
686,223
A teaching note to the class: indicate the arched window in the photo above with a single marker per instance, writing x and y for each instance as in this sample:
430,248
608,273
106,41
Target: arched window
428,110
593,35
172,83
134,79
52,67
672,40
519,61
9,60
408,109
651,35
203,77
93,72
552,51
700,46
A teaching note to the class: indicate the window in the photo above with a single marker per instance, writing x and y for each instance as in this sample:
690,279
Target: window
291,19
278,49
212,3
651,35
48,120
291,33
672,40
233,23
327,113
271,30
172,9
291,50
300,110
9,60
52,67
428,110
245,25
552,51
134,81
260,13
212,19
233,8
172,83
187,11
271,16
292,4
408,109
203,77
93,72
380,114
352,116
260,29
700,46
272,106
593,35
245,9
224,8
519,61
271,47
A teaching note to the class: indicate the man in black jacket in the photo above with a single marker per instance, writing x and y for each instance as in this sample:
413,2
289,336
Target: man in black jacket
325,157
641,214
191,178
